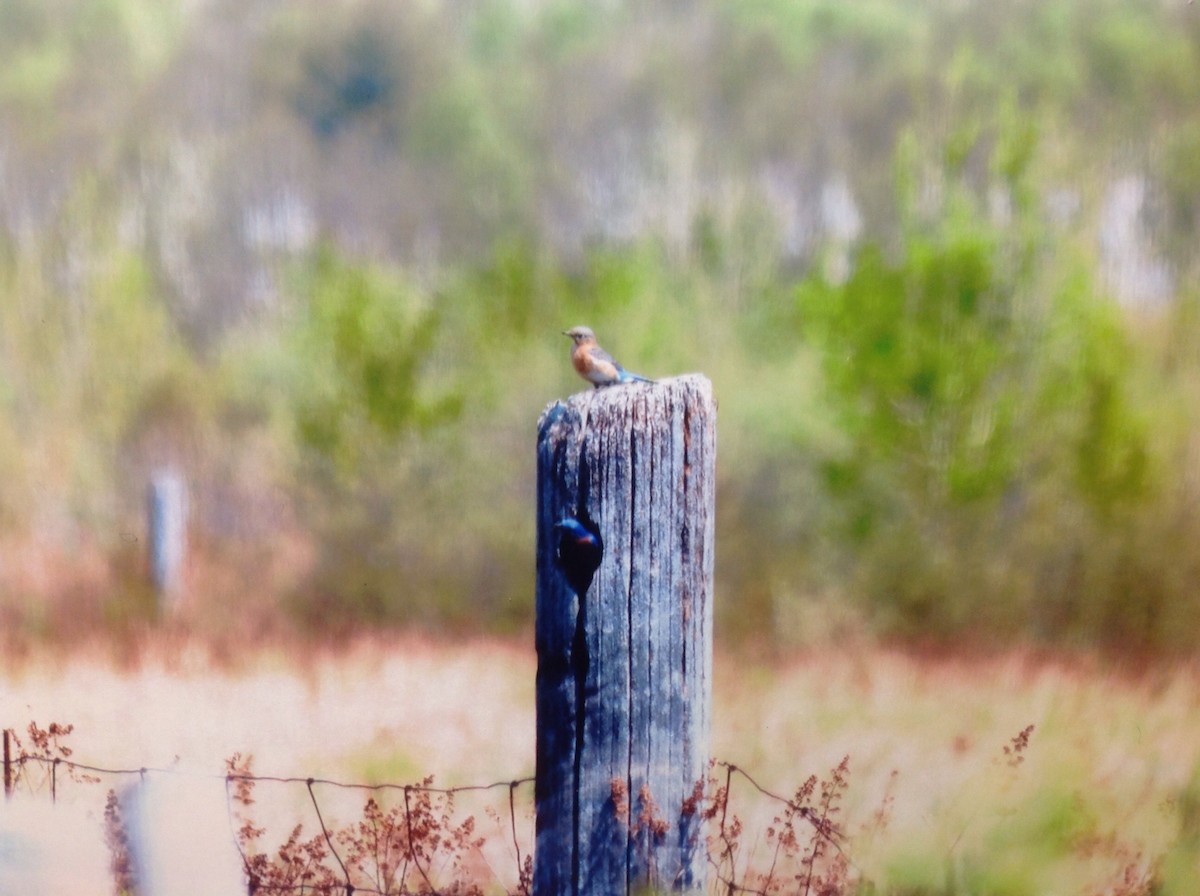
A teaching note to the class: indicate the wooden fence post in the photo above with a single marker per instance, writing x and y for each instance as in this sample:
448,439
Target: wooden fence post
624,679
167,512
178,836
8,771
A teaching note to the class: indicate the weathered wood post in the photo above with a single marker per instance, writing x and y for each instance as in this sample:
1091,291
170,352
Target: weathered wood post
167,530
8,771
624,680
177,829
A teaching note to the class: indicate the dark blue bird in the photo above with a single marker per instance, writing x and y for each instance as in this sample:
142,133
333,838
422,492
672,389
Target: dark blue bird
579,551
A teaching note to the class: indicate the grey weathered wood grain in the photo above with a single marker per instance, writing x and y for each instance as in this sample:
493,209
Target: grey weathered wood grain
624,673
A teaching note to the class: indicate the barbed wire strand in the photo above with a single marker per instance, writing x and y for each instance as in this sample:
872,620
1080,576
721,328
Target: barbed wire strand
408,828
269,779
328,838
230,780
823,827
512,817
234,834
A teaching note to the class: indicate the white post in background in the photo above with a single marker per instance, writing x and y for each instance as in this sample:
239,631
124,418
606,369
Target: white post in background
167,525
179,837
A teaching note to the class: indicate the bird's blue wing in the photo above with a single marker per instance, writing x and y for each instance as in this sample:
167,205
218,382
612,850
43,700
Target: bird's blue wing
600,355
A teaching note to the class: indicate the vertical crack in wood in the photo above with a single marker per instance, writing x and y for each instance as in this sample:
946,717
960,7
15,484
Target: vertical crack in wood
629,631
581,490
579,666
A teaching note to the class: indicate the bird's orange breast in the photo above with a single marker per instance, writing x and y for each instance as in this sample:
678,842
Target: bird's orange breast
581,359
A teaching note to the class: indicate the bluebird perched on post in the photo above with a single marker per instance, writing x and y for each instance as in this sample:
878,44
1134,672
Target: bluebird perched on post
596,365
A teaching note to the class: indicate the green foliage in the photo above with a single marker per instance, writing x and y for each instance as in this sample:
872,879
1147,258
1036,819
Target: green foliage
1181,184
968,378
1183,861
804,30
364,396
929,356
564,29
76,369
52,48
364,345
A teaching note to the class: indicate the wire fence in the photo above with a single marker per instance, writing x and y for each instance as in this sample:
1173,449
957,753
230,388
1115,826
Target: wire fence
422,844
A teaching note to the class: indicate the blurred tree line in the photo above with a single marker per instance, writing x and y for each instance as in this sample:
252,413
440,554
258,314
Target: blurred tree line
939,260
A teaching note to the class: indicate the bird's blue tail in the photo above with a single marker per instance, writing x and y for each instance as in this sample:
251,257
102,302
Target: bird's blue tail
628,376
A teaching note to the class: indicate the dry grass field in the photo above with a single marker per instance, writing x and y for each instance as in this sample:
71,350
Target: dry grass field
943,794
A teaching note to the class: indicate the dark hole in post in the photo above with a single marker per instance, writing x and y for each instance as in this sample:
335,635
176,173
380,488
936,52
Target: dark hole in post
580,549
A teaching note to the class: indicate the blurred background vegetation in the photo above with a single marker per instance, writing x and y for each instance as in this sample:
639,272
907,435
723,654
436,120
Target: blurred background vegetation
939,260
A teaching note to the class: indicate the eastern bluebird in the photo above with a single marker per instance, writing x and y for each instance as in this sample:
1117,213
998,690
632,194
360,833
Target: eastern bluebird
579,552
596,365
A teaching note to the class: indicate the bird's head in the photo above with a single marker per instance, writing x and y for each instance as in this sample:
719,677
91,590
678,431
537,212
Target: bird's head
580,335
577,531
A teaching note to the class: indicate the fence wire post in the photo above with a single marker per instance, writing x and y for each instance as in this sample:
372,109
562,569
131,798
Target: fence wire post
8,775
625,522
167,514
